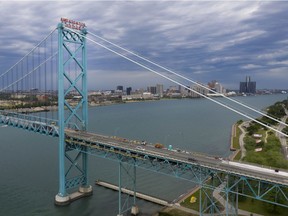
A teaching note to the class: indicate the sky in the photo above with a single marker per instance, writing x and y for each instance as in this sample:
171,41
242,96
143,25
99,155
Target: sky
202,40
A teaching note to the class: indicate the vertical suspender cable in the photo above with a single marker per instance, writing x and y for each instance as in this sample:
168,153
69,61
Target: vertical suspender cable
45,82
32,80
75,74
21,85
38,89
51,77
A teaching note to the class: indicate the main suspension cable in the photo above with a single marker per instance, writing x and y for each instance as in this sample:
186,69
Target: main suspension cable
176,82
190,80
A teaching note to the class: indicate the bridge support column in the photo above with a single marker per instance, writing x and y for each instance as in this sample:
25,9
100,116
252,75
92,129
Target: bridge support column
211,201
62,200
126,205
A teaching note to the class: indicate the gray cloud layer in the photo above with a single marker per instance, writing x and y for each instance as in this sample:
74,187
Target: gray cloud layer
203,40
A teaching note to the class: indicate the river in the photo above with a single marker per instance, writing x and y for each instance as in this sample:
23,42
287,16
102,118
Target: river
29,162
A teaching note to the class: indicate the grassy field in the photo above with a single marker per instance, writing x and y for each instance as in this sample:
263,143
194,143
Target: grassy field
262,208
244,203
235,140
270,156
271,151
195,206
236,144
238,156
174,212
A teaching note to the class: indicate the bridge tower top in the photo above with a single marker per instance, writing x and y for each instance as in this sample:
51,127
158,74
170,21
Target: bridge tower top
72,80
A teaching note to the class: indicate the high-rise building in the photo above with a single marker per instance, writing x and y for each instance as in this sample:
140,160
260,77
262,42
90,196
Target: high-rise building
219,88
119,88
159,90
216,87
152,89
247,87
128,90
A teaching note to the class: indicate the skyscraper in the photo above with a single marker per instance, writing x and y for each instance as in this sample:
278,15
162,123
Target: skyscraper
247,87
119,88
159,90
151,89
128,90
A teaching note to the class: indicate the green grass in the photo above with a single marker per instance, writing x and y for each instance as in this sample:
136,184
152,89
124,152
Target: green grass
270,155
238,156
263,208
236,144
195,206
244,203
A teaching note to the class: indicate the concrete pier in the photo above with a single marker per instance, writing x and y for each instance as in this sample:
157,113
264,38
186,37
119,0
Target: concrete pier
135,210
66,200
130,192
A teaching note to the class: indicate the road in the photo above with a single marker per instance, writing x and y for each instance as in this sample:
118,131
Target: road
214,163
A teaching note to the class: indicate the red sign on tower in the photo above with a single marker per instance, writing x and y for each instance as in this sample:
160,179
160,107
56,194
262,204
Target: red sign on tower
73,24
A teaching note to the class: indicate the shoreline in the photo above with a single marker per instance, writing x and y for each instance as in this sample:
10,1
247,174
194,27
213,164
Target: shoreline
231,156
93,104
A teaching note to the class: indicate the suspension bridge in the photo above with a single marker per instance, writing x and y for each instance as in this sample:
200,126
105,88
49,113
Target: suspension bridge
53,75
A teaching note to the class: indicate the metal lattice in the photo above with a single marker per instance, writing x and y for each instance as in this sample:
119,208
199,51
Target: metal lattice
72,107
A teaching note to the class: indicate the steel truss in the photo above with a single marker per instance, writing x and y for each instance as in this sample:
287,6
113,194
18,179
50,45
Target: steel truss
72,82
128,170
229,185
30,123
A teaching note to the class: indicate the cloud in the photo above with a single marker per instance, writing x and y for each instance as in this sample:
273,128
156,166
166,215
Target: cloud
273,55
204,40
251,66
279,74
285,62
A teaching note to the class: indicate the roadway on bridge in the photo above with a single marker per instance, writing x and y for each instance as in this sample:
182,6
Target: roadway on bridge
215,163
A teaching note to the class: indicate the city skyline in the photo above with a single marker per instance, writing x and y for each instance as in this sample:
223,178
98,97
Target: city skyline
225,41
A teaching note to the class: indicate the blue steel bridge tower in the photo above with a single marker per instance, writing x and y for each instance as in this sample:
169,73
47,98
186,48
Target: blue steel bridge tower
72,114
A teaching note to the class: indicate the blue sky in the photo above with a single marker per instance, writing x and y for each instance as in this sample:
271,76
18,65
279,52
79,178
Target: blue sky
203,40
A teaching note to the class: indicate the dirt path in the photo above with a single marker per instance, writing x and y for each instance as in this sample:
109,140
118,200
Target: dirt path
241,138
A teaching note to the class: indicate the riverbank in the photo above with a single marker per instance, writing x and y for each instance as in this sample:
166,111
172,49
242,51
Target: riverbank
238,141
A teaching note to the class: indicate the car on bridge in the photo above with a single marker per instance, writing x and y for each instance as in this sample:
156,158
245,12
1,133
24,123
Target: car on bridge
140,148
192,160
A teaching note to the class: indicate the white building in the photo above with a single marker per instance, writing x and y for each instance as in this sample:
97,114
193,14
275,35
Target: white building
200,89
159,90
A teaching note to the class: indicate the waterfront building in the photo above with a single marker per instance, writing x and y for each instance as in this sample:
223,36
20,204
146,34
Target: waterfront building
173,88
216,87
248,87
147,95
219,88
119,88
152,89
159,90
200,89
128,90
185,91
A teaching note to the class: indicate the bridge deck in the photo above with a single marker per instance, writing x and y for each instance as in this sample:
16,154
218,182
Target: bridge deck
215,163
